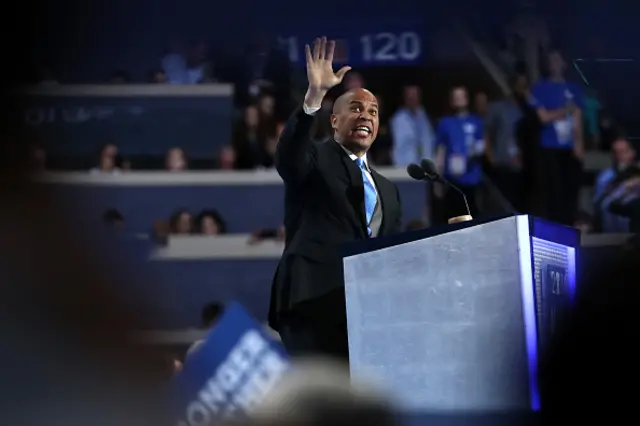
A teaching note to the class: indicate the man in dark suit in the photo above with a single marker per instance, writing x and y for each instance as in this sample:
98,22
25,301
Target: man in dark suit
332,197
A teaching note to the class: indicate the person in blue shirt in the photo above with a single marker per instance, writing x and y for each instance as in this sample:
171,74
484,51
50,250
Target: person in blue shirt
413,136
559,106
459,151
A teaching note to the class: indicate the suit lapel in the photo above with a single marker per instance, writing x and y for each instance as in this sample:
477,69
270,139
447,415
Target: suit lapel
355,190
382,197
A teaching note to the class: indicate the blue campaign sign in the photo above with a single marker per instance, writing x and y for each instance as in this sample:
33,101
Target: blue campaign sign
376,44
139,119
236,366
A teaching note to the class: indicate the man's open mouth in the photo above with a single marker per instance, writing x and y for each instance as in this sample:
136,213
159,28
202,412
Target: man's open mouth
362,131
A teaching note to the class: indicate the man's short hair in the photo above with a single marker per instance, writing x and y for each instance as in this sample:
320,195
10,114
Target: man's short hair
211,312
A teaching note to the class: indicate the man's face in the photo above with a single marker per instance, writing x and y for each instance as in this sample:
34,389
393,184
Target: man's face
623,152
412,97
459,98
355,120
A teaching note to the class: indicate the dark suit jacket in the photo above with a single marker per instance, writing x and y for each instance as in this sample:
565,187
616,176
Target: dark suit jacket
324,208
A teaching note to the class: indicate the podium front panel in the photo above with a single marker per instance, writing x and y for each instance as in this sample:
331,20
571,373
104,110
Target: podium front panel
439,322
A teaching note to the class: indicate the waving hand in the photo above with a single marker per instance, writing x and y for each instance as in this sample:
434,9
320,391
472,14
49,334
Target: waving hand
320,65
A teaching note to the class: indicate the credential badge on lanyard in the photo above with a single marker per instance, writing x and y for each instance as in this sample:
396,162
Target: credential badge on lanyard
469,135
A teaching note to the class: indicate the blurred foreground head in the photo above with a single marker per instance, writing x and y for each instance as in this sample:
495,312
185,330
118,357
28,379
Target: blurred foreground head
319,392
66,355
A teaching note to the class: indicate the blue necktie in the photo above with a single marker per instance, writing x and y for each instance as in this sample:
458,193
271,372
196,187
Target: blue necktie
370,194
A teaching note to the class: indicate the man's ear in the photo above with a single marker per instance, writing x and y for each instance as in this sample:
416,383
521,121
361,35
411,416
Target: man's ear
334,121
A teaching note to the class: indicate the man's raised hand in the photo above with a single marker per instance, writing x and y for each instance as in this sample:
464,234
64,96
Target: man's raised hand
320,65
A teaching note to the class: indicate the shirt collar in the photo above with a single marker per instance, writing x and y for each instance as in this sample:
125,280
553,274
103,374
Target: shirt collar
355,157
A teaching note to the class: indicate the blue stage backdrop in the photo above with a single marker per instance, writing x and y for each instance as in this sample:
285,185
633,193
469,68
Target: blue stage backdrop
383,43
140,120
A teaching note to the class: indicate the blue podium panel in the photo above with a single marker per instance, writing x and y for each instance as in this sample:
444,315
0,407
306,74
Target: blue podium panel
247,201
447,322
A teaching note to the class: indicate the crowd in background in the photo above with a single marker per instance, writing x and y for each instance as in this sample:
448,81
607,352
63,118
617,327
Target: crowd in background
533,170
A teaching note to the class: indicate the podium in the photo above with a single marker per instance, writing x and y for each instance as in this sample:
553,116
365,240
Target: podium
454,318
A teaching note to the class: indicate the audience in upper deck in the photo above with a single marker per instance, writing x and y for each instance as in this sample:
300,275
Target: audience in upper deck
549,121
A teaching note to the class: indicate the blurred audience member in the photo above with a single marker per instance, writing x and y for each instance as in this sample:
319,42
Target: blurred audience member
267,107
210,222
157,76
277,234
38,158
174,63
176,365
125,164
411,130
528,139
161,231
460,147
227,158
319,392
559,105
264,68
119,77
107,162
249,139
181,223
199,65
481,104
583,223
210,315
353,80
503,148
46,77
112,218
628,205
608,186
175,160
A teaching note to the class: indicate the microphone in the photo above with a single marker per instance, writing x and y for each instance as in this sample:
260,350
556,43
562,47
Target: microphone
430,172
416,172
